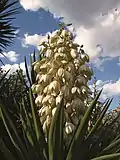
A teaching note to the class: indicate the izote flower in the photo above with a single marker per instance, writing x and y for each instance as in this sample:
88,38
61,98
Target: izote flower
62,73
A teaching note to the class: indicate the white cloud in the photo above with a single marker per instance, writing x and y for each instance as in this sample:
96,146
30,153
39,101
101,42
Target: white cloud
97,22
14,67
77,11
31,4
105,33
11,55
110,88
34,40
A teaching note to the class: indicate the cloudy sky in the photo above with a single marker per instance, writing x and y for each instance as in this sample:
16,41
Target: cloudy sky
96,25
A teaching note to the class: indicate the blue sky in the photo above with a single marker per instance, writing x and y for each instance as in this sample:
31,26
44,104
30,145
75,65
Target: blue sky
99,35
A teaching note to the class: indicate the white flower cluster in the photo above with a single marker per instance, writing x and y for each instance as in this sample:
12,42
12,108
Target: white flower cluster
62,73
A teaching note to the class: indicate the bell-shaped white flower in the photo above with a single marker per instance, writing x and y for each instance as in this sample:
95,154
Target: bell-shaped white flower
39,99
44,111
61,50
75,89
43,78
60,72
54,85
45,99
38,77
69,107
46,124
52,101
46,90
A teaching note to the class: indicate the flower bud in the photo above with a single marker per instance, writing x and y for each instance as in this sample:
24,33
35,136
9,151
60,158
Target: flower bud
60,72
45,129
74,119
73,53
77,103
74,89
68,76
85,57
70,35
68,108
37,67
65,91
69,128
81,80
53,111
64,33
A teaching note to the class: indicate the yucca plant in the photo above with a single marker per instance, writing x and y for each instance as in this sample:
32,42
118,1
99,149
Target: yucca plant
33,142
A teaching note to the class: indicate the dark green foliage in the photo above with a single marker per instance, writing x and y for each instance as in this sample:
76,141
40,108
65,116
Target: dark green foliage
12,89
100,141
7,31
84,144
